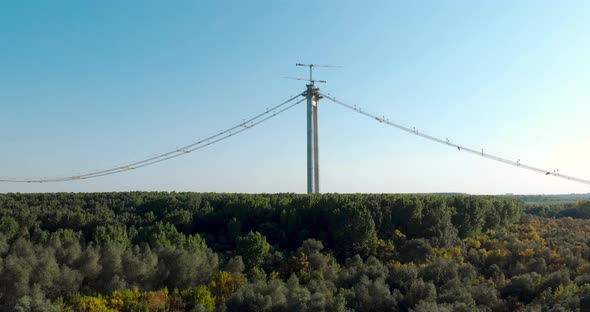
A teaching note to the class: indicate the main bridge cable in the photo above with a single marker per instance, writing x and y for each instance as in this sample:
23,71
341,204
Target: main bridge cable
481,153
222,135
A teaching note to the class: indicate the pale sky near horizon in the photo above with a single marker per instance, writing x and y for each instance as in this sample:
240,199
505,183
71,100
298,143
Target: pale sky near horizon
87,86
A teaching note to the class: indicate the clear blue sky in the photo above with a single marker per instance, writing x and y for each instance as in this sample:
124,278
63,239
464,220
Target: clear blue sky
87,85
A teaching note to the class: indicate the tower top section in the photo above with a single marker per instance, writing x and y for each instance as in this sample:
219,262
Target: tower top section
311,66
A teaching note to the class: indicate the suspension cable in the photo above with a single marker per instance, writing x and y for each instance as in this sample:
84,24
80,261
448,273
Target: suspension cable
222,135
447,142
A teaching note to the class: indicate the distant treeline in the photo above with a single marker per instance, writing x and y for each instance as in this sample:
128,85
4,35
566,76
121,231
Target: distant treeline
553,199
577,210
346,224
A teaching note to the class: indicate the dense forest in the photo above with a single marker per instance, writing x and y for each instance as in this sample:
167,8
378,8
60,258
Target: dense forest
149,251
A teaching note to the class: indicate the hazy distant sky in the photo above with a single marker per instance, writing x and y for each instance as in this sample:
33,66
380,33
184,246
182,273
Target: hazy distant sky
91,84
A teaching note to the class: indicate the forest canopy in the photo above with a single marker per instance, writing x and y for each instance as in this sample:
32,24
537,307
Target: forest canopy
153,251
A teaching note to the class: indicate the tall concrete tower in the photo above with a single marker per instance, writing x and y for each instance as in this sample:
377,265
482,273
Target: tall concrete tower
313,129
313,144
